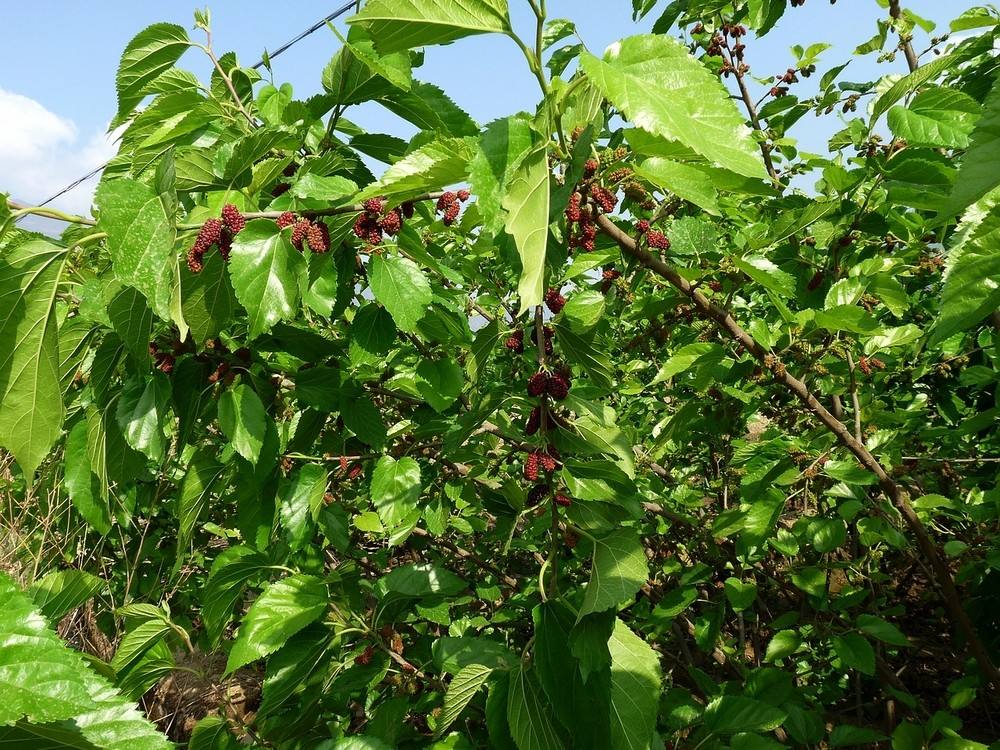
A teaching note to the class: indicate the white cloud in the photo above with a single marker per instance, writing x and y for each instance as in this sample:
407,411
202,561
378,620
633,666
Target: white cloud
42,152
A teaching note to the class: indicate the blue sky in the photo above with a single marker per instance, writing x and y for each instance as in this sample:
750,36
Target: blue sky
59,58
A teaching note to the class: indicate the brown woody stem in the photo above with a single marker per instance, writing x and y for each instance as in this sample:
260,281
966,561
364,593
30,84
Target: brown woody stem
896,494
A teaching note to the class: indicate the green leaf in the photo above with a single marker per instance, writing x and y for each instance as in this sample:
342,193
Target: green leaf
229,574
395,489
433,166
148,55
212,733
136,642
532,725
618,571
846,735
404,24
784,643
971,290
265,270
140,238
767,274
501,149
420,580
132,320
31,404
811,580
203,472
142,413
440,382
281,610
555,30
636,683
884,631
429,108
373,329
60,591
243,420
662,89
301,500
527,206
62,700
83,487
683,180
936,117
461,691
584,310
729,714
855,652
400,285
357,73
741,594
207,298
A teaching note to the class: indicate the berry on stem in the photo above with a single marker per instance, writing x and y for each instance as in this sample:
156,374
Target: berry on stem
554,300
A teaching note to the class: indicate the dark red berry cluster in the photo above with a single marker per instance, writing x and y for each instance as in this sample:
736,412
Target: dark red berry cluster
515,342
538,461
562,500
604,198
554,301
608,278
868,364
375,221
216,232
534,421
315,234
581,229
590,168
164,361
449,204
657,239
555,384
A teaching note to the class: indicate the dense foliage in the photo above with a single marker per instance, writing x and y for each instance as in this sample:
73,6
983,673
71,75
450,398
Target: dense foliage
624,423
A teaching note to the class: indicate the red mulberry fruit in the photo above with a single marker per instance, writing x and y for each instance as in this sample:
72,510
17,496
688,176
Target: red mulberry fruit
658,240
233,219
573,208
604,198
642,226
515,342
557,386
374,205
194,260
407,209
590,167
318,237
531,467
537,494
285,220
562,501
463,195
534,421
299,232
554,301
446,199
209,234
538,384
548,463
451,213
392,222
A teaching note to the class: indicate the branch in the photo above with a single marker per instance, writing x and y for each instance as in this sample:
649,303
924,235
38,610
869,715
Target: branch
892,491
911,57
765,150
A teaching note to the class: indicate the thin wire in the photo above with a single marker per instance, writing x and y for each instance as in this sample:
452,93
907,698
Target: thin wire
259,64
